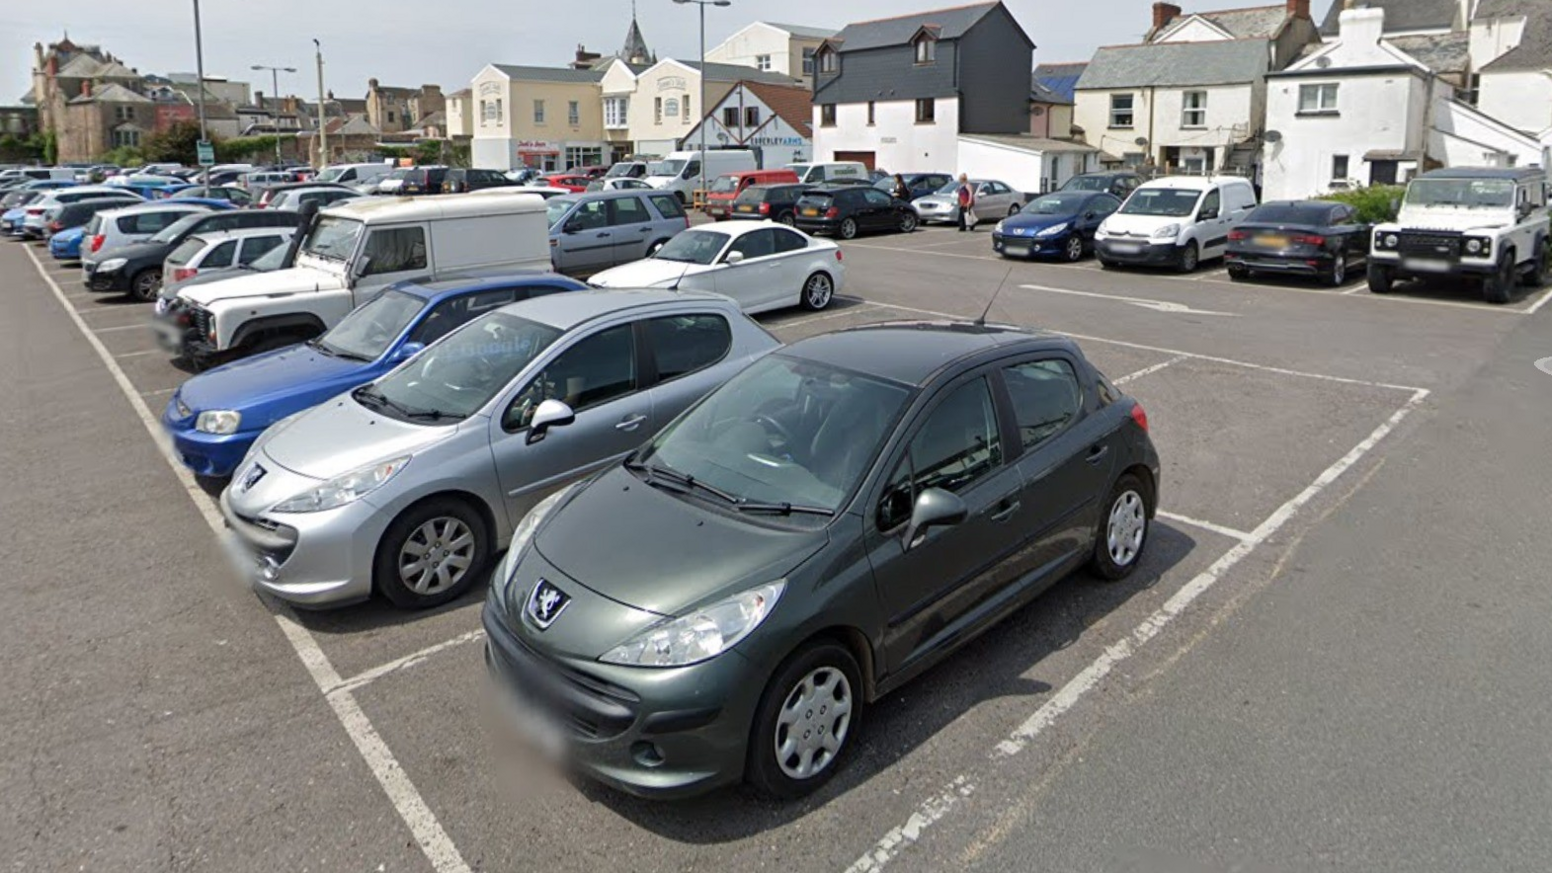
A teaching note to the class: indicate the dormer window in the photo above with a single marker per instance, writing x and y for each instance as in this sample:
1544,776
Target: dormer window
926,48
827,59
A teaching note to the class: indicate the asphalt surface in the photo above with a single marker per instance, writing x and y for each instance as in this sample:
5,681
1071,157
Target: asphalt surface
1332,658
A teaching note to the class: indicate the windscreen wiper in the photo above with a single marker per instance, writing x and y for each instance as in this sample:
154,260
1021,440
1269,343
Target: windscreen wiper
684,480
783,508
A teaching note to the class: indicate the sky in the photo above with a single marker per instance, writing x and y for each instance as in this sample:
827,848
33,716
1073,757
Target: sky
412,42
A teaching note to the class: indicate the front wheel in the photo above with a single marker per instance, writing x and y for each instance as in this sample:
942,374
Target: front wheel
803,724
908,222
1498,287
1072,250
1381,280
1537,275
1123,532
818,291
849,228
1190,258
431,554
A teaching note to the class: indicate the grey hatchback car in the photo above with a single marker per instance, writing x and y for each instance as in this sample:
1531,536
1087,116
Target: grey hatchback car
831,522
406,486
597,230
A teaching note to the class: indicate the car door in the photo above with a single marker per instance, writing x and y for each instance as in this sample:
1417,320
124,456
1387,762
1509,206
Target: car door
684,346
585,242
598,374
750,281
1212,225
631,223
924,589
792,268
1099,208
877,209
389,255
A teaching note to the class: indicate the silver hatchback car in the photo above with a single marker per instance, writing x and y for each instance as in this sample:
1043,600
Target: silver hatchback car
408,485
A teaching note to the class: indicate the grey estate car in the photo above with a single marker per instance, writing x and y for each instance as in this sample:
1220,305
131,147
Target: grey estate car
597,230
827,525
407,485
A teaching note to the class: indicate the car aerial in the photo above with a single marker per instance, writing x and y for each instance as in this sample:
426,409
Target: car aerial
993,200
762,266
918,184
294,199
461,181
774,202
1489,226
1054,225
136,269
1176,221
1304,238
413,181
214,417
726,188
221,249
590,232
33,222
833,521
115,228
1117,184
848,210
407,485
572,182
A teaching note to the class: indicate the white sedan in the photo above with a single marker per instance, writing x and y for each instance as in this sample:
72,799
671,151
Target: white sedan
761,264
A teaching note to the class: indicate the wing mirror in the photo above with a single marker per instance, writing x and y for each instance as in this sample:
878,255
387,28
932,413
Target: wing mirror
551,413
934,508
358,269
407,351
733,258
1088,214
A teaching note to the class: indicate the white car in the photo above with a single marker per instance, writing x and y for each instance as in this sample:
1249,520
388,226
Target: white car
994,201
34,215
544,191
762,265
219,249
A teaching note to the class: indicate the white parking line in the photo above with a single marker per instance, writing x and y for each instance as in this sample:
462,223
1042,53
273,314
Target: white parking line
1148,371
138,354
1145,302
407,801
822,317
120,327
1229,532
938,806
1545,296
366,677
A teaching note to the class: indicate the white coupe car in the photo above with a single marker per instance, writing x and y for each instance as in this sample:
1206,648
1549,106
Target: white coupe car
762,265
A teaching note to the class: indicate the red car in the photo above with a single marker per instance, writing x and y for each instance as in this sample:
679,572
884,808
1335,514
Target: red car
597,171
573,182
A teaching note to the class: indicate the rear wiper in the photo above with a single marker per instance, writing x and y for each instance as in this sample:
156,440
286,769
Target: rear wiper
783,508
684,480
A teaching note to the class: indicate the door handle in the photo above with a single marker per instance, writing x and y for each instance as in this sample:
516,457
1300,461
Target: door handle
642,229
630,423
1097,454
1006,512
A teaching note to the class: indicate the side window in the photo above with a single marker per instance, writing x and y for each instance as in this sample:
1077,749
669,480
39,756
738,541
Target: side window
755,244
1046,398
692,169
957,446
395,250
667,205
1210,204
220,256
595,370
683,344
450,314
876,198
1102,206
787,241
255,248
628,210
593,215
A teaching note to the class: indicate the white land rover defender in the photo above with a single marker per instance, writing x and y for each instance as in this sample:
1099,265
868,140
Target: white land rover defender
1489,225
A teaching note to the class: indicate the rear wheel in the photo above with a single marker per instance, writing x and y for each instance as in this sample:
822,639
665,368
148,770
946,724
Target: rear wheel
1497,287
849,228
1072,249
1123,531
431,554
787,218
1380,279
146,285
1239,274
1338,275
908,222
805,721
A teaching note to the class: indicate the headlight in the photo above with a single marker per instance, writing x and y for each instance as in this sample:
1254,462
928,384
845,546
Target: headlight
345,489
998,228
1168,231
1103,229
1053,230
111,265
218,421
1479,246
703,634
1391,240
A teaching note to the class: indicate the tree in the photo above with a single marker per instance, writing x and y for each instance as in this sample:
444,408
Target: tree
177,144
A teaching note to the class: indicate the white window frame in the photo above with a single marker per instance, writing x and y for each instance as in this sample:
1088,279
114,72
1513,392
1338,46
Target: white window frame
762,62
1130,110
829,61
538,112
616,111
1318,97
1193,109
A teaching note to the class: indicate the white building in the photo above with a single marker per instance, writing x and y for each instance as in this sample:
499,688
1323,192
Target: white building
784,49
770,120
659,105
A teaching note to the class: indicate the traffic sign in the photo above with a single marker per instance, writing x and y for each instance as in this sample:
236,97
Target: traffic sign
207,153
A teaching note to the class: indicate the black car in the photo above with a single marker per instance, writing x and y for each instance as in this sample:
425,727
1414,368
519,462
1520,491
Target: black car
919,184
459,181
77,214
847,210
136,269
1305,238
774,202
414,181
1117,184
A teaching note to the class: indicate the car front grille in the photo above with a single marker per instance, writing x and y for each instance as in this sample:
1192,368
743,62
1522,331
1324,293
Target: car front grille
199,321
590,707
1433,245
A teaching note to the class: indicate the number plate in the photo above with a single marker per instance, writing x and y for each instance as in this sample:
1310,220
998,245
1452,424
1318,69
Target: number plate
746,209
811,213
1272,240
1426,265
1125,248
1016,251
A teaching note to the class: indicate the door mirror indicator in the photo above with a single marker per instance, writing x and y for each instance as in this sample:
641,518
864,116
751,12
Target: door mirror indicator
551,413
934,508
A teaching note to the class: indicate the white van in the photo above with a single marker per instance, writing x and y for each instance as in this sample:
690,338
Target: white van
37,174
680,172
350,174
1176,221
818,174
350,254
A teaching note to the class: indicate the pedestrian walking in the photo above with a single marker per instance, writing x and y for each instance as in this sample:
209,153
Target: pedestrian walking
966,204
902,190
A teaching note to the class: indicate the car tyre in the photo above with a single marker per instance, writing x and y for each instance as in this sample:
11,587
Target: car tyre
1536,276
1123,530
1072,249
908,222
811,708
848,229
1381,280
1108,265
435,532
788,219
1190,257
1498,287
147,285
1239,274
1337,277
818,291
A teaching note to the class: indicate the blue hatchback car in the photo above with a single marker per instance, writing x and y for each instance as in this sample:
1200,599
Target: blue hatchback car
1059,225
215,416
66,245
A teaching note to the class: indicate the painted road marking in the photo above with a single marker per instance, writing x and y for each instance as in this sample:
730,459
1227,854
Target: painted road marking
1148,371
1216,528
1144,302
1545,366
120,327
136,354
857,307
366,677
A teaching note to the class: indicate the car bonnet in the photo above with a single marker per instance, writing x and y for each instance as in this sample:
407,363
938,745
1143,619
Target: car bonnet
342,435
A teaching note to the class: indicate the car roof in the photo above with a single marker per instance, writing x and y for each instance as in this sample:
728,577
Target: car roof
612,194
473,284
1193,183
155,205
1513,173
215,236
910,352
566,311
735,228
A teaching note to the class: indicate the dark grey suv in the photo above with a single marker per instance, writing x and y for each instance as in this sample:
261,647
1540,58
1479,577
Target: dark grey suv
838,517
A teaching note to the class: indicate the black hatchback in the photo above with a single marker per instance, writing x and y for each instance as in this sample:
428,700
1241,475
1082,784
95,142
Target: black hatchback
774,202
848,210
136,269
1316,238
459,180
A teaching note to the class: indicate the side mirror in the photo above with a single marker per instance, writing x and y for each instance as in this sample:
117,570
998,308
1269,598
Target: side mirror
551,413
358,269
1089,214
1395,205
733,258
408,350
934,507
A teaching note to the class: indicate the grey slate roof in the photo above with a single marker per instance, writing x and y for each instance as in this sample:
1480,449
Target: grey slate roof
879,33
549,74
1257,22
1177,64
804,32
1535,49
1440,52
1401,15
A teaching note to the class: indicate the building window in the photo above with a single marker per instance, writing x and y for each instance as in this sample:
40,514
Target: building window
808,62
1315,99
538,112
671,108
870,113
124,113
827,115
762,62
573,113
751,116
1193,112
926,50
730,116
657,110
584,156
1121,110
1473,89
126,139
828,62
686,114
1339,167
390,116
927,111
616,110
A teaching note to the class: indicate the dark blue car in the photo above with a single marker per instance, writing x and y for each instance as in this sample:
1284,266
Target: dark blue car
1059,225
215,416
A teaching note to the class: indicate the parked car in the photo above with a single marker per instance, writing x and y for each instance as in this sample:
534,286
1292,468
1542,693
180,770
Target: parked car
279,258
829,173
681,172
258,181
348,174
33,222
726,188
589,232
413,181
761,265
918,184
911,483
69,216
66,245
572,182
543,192
293,199
777,203
112,229
627,170
994,200
1177,221
214,417
848,210
460,181
136,269
617,184
22,175
229,193
408,485
1054,225
1308,238
1117,184
222,249
266,198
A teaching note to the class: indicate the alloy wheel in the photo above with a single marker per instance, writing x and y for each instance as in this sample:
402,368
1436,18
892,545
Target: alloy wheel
848,229
1074,248
812,725
1126,527
908,223
818,291
436,555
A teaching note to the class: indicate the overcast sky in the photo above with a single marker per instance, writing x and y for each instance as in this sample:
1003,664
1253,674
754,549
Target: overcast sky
410,42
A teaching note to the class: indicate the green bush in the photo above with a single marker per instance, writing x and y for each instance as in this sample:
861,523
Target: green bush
1375,204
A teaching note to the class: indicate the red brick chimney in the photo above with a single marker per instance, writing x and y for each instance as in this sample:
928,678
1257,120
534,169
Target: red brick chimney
1299,8
1164,13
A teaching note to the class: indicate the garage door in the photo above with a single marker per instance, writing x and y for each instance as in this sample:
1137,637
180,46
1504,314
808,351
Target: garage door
866,158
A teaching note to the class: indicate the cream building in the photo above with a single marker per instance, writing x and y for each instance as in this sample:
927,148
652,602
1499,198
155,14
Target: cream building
546,118
784,49
665,104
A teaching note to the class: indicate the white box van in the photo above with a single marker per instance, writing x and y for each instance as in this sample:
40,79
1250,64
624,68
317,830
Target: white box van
818,174
681,172
350,174
350,254
1176,221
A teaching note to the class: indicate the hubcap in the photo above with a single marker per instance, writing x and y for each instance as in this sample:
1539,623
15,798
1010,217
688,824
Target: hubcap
848,228
436,555
1074,248
819,291
812,724
1124,532
1188,260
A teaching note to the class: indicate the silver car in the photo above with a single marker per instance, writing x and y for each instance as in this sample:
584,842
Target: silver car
595,231
994,201
408,485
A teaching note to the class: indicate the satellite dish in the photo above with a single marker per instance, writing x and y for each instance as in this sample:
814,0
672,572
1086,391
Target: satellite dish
1273,136
1323,62
1038,110
1141,140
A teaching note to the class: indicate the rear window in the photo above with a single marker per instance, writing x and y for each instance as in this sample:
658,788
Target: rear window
817,198
752,194
221,255
668,205
724,185
1292,213
186,250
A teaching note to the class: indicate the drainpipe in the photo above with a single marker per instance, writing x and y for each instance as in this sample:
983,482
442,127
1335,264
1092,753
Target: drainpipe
1422,163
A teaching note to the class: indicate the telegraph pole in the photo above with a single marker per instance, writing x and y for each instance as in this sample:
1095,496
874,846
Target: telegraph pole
199,72
323,124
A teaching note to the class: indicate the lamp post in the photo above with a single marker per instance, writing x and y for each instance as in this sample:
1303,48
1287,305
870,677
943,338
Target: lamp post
703,4
199,73
274,94
323,123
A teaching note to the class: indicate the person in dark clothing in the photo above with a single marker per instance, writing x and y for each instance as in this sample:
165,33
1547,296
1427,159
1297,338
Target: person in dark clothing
902,190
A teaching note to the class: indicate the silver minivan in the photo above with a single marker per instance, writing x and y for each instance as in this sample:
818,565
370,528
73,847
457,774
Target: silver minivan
597,230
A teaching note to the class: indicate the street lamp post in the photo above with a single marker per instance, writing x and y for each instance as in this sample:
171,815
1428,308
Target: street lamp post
323,125
199,73
274,94
703,4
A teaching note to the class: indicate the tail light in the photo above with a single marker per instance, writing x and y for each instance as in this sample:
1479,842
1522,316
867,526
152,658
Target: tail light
1237,235
1139,416
838,254
833,212
97,242
765,209
181,273
1309,239
34,210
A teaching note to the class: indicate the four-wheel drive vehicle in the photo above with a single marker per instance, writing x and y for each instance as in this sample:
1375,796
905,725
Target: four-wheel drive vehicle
1485,224
349,255
136,269
1176,221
